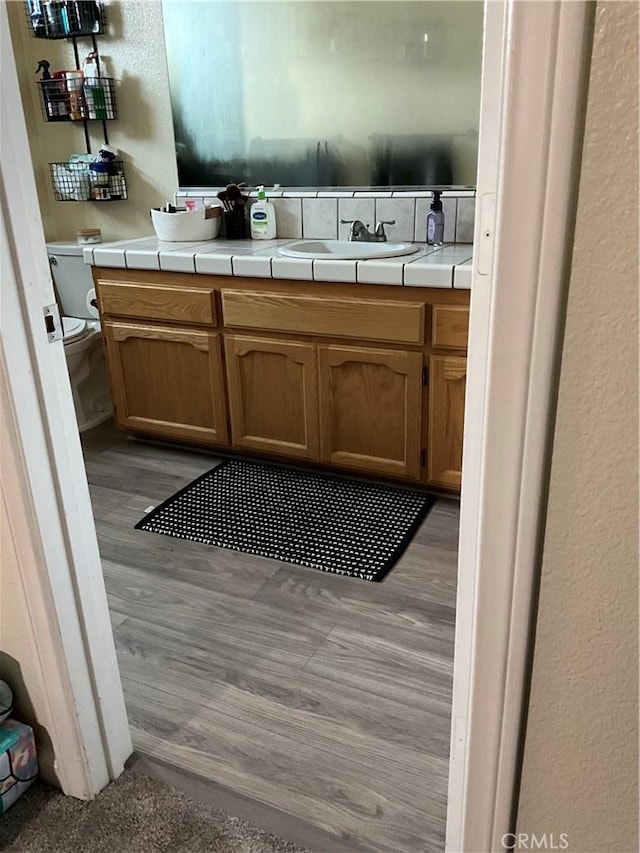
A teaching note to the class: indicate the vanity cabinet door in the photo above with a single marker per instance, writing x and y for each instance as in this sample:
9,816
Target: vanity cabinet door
447,383
167,381
370,404
273,396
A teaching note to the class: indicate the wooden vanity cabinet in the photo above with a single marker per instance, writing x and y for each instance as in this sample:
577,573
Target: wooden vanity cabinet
447,385
370,409
164,354
167,381
273,397
366,379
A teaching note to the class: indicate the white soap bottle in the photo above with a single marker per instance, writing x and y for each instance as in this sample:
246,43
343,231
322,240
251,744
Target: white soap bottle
263,218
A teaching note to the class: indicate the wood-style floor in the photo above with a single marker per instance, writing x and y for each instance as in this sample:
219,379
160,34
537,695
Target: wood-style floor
326,698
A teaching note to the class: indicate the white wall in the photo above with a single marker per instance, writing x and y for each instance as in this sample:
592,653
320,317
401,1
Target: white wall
580,774
135,55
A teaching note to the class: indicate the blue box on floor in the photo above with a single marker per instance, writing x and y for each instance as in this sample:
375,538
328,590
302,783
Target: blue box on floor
18,761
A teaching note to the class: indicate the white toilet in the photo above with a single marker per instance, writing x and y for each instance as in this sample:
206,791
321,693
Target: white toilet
83,345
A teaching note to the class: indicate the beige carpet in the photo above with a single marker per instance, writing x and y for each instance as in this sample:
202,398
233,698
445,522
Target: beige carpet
133,815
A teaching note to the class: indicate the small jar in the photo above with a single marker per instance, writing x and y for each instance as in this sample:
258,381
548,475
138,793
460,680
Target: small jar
89,235
99,174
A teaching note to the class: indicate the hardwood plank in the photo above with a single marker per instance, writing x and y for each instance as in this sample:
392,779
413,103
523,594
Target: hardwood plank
303,588
441,527
250,625
428,573
157,655
133,479
100,438
202,566
313,740
224,799
350,794
105,500
386,615
116,619
153,459
385,668
323,697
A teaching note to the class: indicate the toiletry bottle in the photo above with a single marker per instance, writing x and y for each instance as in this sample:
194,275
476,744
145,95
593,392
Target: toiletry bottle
77,106
435,222
263,218
95,92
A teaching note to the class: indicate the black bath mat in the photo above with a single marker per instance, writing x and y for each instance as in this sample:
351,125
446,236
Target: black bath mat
315,520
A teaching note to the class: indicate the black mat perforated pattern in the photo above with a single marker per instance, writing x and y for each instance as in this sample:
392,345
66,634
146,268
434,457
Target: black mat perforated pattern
319,521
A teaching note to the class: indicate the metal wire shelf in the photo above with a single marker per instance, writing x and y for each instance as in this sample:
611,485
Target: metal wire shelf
78,99
63,19
89,181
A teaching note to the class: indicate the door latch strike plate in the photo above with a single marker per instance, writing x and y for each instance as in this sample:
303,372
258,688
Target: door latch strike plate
52,323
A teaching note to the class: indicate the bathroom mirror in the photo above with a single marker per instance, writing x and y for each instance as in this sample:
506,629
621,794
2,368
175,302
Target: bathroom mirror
325,93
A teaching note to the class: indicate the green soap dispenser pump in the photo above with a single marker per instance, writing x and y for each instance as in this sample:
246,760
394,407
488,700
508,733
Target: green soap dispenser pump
435,222
262,217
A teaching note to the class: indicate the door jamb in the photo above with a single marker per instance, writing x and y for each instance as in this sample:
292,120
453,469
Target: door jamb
528,168
73,626
536,57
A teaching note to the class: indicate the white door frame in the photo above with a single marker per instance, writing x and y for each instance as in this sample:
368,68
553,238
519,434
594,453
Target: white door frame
71,627
531,120
531,127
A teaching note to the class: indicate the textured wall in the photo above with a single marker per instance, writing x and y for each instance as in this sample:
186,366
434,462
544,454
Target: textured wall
580,770
135,55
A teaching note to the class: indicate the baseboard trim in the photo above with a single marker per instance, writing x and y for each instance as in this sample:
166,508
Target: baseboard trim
253,811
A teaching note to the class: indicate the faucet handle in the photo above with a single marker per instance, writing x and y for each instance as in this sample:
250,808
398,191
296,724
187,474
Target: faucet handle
353,222
380,227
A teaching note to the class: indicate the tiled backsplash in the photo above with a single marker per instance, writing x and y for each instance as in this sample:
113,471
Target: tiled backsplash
317,214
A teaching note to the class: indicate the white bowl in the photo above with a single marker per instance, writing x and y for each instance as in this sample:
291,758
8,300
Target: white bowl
186,225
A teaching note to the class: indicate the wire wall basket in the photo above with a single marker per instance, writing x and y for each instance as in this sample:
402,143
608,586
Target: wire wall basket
78,99
62,19
88,181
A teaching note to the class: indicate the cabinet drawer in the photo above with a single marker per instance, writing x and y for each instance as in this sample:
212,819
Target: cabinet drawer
157,302
368,319
450,326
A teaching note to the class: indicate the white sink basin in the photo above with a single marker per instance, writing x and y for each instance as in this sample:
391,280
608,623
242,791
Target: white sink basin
341,250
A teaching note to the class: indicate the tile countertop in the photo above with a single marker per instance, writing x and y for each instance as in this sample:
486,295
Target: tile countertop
444,266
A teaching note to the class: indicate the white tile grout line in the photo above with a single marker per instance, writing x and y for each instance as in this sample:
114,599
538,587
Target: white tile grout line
209,192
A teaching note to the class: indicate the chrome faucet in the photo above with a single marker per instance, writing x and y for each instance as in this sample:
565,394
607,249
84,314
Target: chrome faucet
359,232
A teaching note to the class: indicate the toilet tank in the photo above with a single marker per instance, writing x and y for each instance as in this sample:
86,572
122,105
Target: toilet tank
72,278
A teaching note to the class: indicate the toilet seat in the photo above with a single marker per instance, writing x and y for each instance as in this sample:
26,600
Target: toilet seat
74,329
